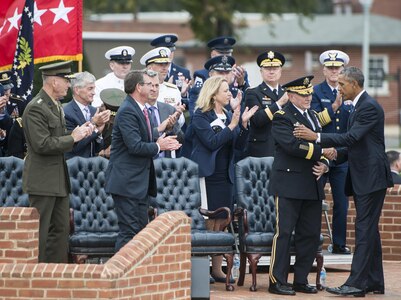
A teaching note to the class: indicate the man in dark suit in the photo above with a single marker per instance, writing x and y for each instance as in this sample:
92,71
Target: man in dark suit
297,168
45,177
333,115
79,111
394,160
130,176
269,97
368,178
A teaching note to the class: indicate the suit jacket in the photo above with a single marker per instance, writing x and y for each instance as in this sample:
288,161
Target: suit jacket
45,170
294,158
396,177
260,137
322,99
130,172
87,147
368,168
207,142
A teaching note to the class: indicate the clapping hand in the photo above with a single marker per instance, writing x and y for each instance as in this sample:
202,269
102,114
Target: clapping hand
247,114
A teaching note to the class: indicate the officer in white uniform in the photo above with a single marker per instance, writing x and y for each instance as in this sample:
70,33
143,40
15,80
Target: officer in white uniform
158,60
120,64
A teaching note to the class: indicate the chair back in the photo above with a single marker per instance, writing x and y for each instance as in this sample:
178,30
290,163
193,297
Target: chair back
178,188
11,193
93,207
252,176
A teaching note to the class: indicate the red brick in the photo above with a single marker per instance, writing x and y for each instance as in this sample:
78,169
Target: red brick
31,293
7,292
79,294
58,294
73,284
44,283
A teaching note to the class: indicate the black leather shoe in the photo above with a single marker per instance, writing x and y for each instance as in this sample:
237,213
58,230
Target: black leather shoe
281,289
346,290
222,279
211,280
378,290
304,288
340,249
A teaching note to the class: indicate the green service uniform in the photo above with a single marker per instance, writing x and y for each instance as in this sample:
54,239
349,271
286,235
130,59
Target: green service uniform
45,176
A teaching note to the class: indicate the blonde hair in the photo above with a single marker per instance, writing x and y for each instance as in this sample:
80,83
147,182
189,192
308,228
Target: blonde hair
209,89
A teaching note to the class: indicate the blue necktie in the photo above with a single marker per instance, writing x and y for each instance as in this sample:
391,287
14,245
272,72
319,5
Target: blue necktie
335,93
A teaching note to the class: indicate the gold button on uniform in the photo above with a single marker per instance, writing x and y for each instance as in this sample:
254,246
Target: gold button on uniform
338,127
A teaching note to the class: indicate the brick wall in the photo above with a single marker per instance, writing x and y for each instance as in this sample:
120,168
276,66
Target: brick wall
389,226
154,265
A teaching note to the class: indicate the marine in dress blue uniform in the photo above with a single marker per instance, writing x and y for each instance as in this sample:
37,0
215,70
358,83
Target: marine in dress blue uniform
333,114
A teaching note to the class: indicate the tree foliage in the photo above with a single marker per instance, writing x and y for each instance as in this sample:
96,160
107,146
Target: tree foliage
209,18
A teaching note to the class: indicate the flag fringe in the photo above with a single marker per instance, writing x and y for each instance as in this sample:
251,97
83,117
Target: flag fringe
77,57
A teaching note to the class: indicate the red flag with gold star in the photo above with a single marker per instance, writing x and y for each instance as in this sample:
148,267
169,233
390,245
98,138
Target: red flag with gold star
57,30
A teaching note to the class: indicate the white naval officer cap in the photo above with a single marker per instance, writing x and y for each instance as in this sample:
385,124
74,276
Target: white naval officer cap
334,58
158,55
120,54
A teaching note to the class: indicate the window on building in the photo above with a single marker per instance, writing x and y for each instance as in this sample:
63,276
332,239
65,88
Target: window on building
378,69
288,61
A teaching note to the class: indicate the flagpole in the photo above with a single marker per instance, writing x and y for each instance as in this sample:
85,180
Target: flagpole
80,66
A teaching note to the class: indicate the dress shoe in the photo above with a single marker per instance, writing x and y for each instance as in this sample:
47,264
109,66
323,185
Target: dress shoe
281,289
304,288
340,250
378,290
346,290
211,280
222,279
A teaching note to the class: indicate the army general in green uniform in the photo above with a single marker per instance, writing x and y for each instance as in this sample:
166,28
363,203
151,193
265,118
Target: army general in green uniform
45,176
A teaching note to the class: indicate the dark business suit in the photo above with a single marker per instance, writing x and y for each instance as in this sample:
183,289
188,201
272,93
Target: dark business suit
368,178
334,122
87,147
298,196
45,177
130,175
260,137
165,110
396,177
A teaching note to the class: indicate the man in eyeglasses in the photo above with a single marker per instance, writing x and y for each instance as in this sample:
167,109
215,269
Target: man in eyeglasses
158,60
120,64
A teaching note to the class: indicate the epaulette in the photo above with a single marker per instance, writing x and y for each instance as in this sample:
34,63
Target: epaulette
281,112
170,85
19,120
16,97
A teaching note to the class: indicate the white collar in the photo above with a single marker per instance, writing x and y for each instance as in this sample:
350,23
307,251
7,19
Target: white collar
356,99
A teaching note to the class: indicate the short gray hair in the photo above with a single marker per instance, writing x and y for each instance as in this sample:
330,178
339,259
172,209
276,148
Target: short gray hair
82,79
353,73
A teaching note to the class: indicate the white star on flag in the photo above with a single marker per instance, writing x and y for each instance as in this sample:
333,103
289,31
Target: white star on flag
61,12
14,20
38,13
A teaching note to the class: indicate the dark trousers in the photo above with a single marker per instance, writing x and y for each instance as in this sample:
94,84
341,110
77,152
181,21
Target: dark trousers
367,263
54,227
132,217
303,216
336,177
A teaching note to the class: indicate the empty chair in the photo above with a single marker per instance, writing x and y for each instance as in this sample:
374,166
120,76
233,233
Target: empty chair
178,189
11,193
94,226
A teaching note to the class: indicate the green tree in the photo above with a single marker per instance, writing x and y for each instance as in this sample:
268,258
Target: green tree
211,18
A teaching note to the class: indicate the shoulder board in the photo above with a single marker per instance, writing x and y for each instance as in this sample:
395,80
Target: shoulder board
280,112
19,120
16,97
170,85
39,101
